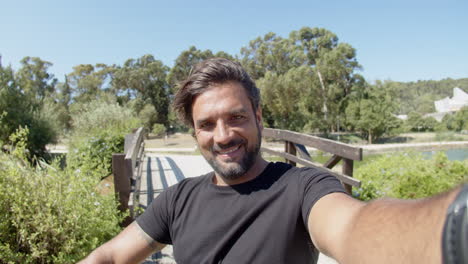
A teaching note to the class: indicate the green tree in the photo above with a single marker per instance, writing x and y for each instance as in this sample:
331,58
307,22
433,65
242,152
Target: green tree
63,101
460,120
186,61
334,64
295,111
19,107
270,53
331,77
448,122
87,82
372,114
145,77
33,78
416,122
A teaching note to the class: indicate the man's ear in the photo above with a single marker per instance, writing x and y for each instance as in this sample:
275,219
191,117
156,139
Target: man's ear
258,116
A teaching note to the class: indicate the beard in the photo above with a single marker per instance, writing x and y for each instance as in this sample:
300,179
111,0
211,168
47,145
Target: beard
234,170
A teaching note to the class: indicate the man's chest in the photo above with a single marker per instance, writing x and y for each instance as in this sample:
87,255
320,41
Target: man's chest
209,228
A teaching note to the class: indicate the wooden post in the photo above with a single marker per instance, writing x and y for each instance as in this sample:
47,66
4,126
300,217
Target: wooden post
290,149
348,170
122,171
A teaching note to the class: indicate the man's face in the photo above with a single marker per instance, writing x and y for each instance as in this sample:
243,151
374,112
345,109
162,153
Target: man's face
227,129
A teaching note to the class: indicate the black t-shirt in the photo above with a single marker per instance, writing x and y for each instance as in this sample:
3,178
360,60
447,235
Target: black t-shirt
260,221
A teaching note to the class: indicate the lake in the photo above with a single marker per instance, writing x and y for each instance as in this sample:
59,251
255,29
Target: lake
452,154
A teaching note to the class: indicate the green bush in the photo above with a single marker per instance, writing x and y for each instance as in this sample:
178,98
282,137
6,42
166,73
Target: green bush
416,122
96,116
17,110
148,115
457,121
93,155
49,215
409,176
99,132
158,130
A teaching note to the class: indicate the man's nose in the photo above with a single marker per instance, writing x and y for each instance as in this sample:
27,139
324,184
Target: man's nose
222,134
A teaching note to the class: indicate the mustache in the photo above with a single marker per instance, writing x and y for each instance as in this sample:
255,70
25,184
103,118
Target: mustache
220,147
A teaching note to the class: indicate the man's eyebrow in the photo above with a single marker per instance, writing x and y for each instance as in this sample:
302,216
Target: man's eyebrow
231,112
238,111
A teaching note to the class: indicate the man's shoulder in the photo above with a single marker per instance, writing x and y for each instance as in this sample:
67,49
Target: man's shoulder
286,168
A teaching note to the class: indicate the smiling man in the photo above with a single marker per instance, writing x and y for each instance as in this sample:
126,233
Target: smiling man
251,211
227,129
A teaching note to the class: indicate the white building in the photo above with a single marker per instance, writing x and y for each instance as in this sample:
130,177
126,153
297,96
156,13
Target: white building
457,102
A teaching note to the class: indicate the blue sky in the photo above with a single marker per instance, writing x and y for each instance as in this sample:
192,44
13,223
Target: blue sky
397,40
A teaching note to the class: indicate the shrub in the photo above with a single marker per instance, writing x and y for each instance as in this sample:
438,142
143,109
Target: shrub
159,130
49,215
99,132
93,155
409,176
416,122
96,116
148,115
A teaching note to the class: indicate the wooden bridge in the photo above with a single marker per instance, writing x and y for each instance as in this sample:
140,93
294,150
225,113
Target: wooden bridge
139,176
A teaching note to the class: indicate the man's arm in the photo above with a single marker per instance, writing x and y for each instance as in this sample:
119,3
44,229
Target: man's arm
132,245
381,231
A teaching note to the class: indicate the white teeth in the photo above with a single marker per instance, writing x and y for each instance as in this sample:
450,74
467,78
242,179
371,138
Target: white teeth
229,151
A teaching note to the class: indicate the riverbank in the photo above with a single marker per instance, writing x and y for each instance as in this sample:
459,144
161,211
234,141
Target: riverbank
423,146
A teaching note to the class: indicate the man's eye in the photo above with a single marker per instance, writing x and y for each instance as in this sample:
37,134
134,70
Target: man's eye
205,125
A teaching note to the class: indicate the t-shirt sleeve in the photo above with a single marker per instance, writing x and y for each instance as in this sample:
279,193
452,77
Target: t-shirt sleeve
316,184
155,221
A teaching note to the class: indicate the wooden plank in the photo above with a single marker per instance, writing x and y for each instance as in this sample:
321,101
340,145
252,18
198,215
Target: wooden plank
128,142
134,147
337,148
332,161
348,170
291,149
139,159
343,178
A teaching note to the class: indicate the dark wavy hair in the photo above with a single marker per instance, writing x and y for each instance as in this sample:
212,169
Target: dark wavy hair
203,77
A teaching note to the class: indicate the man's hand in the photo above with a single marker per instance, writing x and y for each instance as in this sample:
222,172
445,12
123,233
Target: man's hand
132,245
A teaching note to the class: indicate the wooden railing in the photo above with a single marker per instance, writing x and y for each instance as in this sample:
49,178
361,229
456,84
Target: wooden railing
126,170
296,152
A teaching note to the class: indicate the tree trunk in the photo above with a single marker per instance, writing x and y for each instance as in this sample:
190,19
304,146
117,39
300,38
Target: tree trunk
324,109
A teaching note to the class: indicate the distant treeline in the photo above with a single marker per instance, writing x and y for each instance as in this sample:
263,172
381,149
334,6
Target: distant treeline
420,96
309,82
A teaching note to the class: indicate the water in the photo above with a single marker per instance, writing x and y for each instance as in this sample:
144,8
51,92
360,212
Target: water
452,154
